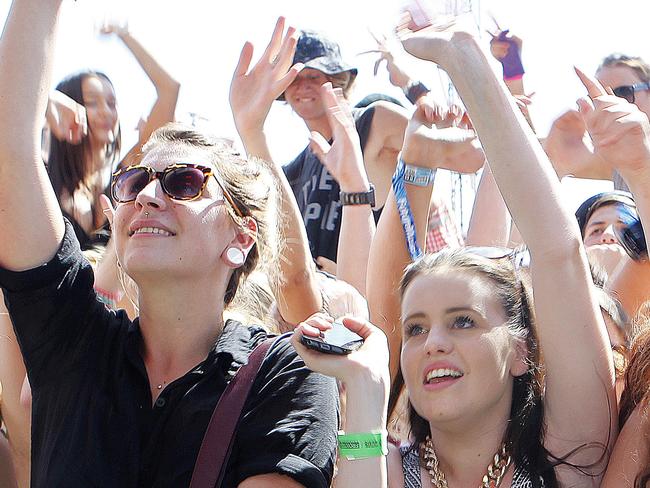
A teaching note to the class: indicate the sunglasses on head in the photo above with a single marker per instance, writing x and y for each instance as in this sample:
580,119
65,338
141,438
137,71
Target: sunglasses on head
180,181
520,256
627,91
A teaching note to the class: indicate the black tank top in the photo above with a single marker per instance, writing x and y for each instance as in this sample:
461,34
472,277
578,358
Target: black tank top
317,193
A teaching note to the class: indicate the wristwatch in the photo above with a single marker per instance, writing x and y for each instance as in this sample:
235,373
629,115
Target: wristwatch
359,198
414,90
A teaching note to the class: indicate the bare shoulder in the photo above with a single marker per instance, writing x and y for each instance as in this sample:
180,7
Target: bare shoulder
394,467
631,452
386,112
386,136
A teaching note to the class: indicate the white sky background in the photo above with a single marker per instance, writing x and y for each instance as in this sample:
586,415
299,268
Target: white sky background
199,41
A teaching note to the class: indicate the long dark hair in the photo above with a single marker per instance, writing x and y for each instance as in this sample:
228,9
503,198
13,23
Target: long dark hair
637,379
67,163
524,435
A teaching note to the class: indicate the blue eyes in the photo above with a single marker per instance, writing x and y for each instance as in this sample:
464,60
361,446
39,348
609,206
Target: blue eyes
414,329
461,322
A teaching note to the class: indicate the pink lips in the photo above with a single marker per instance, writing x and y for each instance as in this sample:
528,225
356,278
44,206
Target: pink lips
446,374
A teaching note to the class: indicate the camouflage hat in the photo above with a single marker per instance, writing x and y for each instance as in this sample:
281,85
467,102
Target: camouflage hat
317,52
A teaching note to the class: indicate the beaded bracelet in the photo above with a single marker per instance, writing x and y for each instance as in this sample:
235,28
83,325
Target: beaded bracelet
363,445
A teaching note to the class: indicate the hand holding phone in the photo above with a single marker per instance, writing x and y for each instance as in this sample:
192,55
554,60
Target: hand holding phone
337,340
349,349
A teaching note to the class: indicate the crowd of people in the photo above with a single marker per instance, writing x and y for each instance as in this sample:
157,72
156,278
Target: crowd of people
187,314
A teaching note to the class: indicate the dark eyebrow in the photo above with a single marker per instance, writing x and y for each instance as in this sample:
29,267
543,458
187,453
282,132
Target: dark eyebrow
462,309
602,222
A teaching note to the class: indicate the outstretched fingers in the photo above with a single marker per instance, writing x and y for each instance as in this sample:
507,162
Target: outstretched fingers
593,86
284,82
276,39
245,58
284,57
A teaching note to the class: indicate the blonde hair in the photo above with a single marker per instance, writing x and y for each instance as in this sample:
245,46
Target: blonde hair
635,63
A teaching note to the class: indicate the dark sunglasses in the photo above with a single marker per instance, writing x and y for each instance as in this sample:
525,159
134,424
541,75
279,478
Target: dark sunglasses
627,91
180,181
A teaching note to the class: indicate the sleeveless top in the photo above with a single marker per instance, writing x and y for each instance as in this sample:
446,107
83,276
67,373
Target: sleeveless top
411,469
317,192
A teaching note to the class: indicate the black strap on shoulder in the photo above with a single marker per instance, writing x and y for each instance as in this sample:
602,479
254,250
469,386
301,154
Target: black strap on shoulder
218,439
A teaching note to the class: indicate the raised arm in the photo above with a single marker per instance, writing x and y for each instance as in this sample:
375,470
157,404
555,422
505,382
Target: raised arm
30,218
490,223
343,159
580,403
167,88
252,93
389,254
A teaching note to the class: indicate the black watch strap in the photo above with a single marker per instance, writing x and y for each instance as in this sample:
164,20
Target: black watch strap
359,198
414,90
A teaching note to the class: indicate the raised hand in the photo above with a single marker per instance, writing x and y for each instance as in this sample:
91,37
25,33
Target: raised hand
396,75
252,91
432,136
619,130
343,158
66,118
371,357
568,144
607,256
503,43
436,42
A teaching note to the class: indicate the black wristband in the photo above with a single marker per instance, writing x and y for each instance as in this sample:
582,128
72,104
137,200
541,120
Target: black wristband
359,198
414,90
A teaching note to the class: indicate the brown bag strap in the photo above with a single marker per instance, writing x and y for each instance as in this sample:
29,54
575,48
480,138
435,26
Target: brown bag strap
217,442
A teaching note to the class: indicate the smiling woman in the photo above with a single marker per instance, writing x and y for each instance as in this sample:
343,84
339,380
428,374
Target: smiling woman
471,337
193,219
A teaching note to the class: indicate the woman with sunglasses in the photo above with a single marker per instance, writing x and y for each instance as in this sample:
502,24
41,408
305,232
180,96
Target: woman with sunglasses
121,403
482,413
82,146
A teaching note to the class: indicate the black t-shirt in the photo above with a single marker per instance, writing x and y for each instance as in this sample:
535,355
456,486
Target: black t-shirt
93,421
317,193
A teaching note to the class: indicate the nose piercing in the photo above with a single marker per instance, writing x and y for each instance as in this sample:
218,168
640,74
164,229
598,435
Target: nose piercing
146,214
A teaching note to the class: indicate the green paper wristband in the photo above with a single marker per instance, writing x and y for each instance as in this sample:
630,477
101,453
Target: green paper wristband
363,445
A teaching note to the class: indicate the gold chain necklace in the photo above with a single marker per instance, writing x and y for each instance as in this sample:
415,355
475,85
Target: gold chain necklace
492,478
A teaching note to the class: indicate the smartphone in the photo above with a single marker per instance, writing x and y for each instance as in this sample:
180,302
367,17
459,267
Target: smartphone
337,340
